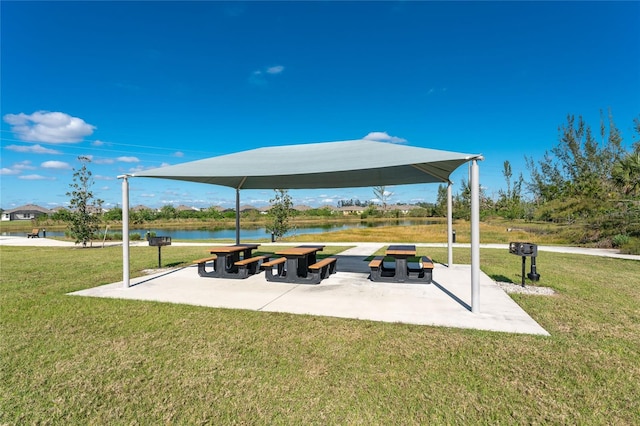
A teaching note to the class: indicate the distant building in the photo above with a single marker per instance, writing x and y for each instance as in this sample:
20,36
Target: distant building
26,212
404,208
247,208
141,207
183,208
347,210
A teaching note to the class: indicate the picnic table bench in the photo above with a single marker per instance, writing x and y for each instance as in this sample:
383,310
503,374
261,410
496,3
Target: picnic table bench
299,265
35,233
226,262
402,269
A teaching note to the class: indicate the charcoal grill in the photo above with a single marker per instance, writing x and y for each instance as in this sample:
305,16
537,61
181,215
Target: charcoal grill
159,242
526,250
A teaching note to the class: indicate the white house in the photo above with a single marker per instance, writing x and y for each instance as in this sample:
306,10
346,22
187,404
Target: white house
26,212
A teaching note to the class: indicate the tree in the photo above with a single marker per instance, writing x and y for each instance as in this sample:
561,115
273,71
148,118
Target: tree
626,175
574,179
168,212
84,218
381,193
280,212
440,208
509,203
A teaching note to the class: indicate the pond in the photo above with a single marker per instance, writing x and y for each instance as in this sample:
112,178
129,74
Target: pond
248,233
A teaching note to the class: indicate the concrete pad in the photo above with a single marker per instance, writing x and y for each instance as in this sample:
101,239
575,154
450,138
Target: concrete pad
347,294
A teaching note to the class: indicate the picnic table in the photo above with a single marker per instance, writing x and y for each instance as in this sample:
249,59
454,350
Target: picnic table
402,270
233,261
299,265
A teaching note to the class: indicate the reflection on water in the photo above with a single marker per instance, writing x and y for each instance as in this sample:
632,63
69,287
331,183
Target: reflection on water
249,233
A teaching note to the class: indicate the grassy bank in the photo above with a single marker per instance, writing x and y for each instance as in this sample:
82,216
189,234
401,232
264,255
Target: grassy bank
76,360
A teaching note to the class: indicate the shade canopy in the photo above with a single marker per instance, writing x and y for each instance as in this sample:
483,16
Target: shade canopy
346,164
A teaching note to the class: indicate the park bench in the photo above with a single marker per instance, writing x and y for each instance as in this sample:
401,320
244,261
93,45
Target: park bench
268,266
249,266
424,271
201,265
323,268
35,233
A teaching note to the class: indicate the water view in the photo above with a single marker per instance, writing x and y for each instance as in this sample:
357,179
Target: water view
248,233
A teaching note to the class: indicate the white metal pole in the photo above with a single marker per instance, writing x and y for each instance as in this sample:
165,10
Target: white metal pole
449,226
237,215
125,232
475,237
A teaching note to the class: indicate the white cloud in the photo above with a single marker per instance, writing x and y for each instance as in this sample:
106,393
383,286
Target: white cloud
45,126
129,159
384,137
7,171
24,165
33,149
17,168
97,143
259,77
275,70
101,177
178,154
136,169
61,165
104,161
35,177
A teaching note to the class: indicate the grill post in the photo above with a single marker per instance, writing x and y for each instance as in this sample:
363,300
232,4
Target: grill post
159,242
526,250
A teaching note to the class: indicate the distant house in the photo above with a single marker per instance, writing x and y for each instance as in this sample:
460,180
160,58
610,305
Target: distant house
247,208
141,207
183,208
404,208
347,210
96,209
26,212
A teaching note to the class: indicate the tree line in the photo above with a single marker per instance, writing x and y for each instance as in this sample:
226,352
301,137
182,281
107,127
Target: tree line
590,180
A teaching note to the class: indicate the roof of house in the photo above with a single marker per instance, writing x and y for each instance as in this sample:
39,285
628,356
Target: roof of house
29,207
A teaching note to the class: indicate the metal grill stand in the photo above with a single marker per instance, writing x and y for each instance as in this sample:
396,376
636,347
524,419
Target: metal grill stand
526,250
159,242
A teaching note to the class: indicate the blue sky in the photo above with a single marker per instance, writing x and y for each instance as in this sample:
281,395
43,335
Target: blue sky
138,85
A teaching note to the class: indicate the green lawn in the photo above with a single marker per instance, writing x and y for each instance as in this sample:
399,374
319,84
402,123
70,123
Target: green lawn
77,360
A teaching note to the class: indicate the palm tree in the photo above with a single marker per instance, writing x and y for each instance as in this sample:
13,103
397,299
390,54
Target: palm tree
626,174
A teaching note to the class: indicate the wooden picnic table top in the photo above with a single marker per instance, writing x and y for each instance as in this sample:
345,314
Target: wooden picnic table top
299,251
233,248
401,250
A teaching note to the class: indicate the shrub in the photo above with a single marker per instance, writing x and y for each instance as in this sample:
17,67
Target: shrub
619,240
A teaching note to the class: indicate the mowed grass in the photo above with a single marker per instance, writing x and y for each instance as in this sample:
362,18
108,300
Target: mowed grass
78,360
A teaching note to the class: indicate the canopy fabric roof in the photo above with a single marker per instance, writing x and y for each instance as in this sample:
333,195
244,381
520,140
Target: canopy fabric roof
345,164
